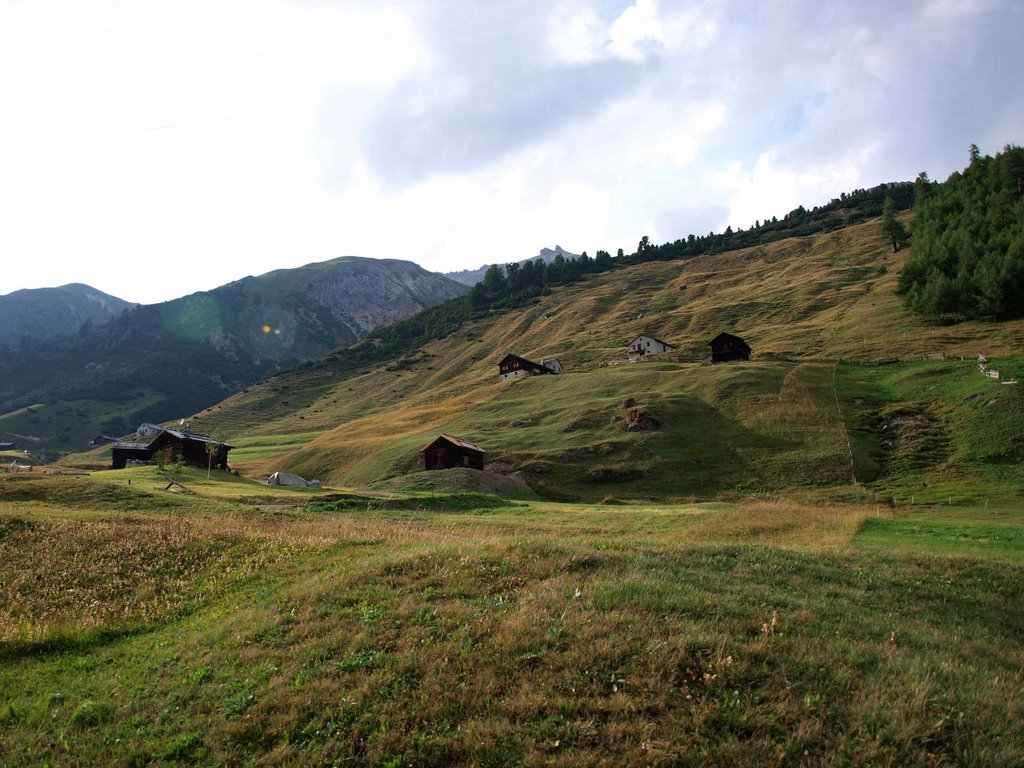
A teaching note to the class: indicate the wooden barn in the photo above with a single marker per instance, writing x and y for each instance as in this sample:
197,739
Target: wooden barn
516,367
447,451
726,347
172,444
647,345
191,447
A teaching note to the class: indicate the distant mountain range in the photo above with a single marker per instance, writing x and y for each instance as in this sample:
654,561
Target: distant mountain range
162,361
471,277
38,313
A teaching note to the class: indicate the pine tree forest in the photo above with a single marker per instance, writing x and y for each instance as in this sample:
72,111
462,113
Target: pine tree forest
968,241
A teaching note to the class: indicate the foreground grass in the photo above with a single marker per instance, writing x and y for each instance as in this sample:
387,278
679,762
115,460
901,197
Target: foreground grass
537,633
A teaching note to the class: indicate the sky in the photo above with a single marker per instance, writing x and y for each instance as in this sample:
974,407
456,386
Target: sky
153,149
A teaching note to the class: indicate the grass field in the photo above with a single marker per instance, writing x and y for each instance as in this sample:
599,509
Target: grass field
141,627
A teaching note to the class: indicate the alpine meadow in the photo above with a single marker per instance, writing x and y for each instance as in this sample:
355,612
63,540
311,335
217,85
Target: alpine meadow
804,547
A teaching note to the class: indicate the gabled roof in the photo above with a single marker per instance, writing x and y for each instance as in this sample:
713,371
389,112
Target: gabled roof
456,441
190,436
516,357
728,337
652,338
123,445
530,363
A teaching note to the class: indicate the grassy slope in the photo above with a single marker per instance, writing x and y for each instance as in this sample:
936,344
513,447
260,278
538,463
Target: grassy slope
197,629
762,426
47,427
937,432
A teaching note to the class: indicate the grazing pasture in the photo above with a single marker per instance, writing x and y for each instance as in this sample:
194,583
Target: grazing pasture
236,624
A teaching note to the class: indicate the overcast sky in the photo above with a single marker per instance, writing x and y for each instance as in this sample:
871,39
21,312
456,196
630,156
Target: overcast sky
152,149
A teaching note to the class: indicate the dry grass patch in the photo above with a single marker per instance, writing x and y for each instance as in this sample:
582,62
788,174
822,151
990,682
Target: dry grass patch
782,524
72,578
77,577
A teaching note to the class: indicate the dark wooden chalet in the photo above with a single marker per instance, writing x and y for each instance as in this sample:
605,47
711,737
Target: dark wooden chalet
516,367
726,347
447,451
172,445
191,447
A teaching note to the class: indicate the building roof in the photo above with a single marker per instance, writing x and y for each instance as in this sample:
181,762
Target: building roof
195,436
652,338
728,337
457,441
122,445
516,357
528,362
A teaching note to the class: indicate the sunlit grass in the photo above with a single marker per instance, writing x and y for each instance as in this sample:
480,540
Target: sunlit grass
197,629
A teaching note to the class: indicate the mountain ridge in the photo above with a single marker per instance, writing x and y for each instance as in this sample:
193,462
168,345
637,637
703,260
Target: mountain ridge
39,313
161,361
471,277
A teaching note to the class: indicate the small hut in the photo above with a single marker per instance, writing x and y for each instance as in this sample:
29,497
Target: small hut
726,347
552,365
124,451
447,451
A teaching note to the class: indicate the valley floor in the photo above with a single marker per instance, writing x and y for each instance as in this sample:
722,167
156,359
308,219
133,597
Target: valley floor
240,625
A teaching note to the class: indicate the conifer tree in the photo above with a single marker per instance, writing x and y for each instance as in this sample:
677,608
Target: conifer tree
892,228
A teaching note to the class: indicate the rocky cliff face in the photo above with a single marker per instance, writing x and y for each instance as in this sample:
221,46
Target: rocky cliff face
296,314
39,313
367,293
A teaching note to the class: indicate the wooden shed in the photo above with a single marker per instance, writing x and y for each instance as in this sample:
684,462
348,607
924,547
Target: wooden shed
726,347
447,451
124,451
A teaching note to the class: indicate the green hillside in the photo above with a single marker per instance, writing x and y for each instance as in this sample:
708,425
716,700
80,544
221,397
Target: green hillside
778,422
162,361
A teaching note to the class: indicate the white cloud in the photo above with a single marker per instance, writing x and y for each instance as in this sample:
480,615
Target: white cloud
153,149
575,34
771,189
637,32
